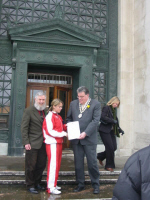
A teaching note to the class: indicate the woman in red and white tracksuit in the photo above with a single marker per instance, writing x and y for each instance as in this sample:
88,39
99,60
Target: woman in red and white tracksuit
53,137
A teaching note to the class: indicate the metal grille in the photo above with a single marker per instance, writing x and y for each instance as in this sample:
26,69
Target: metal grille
50,78
5,88
100,87
88,14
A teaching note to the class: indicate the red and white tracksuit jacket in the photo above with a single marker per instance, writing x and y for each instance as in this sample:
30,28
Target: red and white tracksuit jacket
53,137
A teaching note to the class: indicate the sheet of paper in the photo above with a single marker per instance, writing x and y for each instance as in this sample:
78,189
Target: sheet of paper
73,130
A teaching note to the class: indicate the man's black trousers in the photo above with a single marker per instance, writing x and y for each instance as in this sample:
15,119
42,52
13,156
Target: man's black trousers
35,163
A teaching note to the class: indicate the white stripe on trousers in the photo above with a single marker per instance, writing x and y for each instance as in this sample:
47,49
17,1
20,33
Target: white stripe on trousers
52,169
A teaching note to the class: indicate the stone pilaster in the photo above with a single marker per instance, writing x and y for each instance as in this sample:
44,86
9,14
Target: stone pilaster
126,75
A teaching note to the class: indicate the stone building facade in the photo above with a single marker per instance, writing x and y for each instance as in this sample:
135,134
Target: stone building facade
59,45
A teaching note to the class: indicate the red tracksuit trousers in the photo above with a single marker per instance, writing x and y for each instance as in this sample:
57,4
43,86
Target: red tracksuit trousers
54,154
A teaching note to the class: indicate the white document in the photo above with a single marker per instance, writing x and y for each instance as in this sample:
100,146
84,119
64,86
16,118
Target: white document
73,130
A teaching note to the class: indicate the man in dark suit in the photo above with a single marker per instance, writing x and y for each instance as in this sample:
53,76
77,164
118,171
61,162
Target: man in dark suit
32,139
87,112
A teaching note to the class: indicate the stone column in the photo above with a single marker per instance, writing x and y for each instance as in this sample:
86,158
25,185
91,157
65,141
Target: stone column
141,74
15,147
126,75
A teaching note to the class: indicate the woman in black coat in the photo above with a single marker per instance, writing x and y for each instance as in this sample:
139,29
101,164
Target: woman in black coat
109,129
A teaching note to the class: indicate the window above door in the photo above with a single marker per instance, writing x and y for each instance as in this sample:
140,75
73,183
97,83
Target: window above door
49,78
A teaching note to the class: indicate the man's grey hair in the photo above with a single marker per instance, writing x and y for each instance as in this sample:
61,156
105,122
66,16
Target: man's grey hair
83,89
40,93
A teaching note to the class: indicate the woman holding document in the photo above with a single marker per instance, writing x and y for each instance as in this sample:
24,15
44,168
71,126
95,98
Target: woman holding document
53,132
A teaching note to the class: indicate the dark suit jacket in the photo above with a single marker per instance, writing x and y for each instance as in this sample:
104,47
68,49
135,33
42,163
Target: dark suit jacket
31,128
88,122
107,116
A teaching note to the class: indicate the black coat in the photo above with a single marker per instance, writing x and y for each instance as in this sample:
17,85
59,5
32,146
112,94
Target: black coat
107,116
134,180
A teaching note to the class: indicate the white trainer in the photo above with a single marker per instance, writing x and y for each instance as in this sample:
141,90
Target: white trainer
58,188
55,191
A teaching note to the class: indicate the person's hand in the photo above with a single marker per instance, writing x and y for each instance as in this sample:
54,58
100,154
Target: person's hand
115,121
82,136
122,133
28,147
65,133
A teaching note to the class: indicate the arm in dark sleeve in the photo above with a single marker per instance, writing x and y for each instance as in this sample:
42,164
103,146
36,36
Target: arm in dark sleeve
25,127
69,114
105,117
95,120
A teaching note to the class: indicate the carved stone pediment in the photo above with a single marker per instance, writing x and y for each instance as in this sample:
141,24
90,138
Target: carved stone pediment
54,31
56,35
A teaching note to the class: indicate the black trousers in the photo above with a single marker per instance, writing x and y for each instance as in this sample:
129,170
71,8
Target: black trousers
90,151
109,141
35,163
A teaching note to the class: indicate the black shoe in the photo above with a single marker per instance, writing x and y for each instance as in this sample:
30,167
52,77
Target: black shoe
40,187
96,191
78,189
33,190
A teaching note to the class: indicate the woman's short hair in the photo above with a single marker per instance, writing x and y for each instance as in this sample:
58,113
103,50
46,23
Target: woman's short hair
113,100
83,89
55,102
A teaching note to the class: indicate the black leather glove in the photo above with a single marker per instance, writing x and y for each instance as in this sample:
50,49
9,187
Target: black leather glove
115,121
122,132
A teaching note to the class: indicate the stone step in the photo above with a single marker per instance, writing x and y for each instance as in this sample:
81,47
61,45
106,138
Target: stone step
61,173
61,182
65,177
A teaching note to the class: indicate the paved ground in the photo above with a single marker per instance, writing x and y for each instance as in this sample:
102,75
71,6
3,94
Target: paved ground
8,163
19,192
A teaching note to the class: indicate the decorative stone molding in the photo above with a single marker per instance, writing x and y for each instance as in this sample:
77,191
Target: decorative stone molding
27,30
71,59
55,58
21,73
13,65
14,59
5,53
17,140
113,47
95,58
86,77
58,12
19,106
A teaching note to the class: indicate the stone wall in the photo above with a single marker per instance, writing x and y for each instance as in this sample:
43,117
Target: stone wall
134,75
